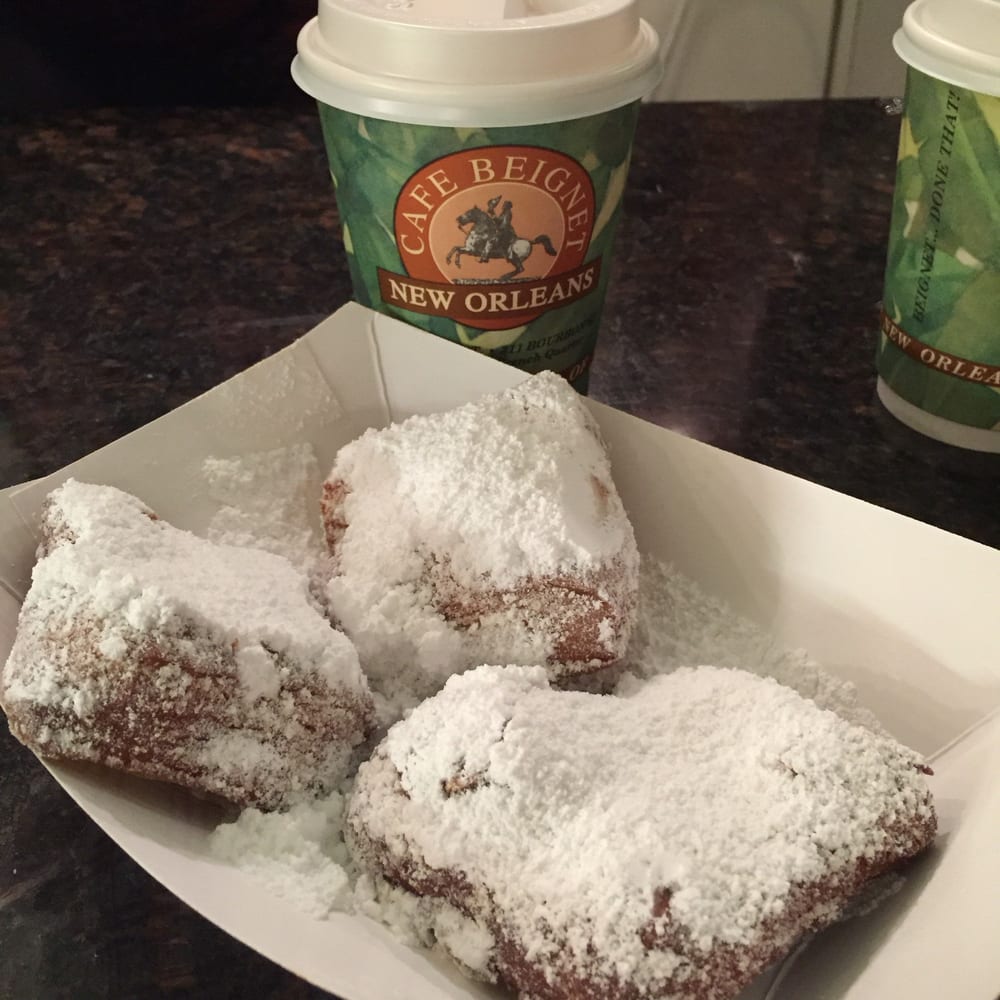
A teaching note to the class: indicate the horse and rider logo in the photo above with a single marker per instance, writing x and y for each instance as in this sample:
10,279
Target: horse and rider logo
493,237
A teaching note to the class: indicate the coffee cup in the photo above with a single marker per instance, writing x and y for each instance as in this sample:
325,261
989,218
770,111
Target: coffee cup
479,155
939,347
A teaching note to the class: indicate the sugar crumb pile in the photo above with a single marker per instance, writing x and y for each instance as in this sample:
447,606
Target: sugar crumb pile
298,855
680,625
267,501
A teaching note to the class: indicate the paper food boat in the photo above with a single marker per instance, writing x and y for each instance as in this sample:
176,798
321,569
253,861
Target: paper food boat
906,612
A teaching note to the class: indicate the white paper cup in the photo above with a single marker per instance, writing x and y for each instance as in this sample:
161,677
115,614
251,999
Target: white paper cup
939,350
480,160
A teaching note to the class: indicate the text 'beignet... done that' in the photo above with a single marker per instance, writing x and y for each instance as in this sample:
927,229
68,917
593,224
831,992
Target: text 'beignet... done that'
489,533
670,842
147,649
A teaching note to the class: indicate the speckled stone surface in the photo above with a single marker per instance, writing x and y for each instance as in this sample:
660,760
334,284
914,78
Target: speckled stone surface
149,255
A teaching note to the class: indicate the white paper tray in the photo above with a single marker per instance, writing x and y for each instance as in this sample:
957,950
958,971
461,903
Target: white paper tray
907,612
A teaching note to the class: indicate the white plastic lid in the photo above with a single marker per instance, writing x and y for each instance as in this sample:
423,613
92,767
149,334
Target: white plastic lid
477,62
957,41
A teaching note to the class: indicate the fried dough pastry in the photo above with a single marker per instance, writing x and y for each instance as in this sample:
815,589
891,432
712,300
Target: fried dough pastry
489,533
668,842
145,648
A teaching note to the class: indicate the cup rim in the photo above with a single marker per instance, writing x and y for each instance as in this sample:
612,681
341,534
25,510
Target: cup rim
950,42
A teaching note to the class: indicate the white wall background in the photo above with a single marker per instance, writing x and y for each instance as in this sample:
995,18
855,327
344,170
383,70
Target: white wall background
773,49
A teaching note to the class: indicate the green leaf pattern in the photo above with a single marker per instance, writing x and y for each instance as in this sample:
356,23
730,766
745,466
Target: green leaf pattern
371,160
958,309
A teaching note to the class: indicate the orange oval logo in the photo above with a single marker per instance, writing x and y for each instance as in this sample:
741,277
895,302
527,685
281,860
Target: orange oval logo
493,237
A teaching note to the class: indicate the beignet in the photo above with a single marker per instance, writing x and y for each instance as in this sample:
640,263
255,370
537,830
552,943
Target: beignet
668,843
145,648
489,533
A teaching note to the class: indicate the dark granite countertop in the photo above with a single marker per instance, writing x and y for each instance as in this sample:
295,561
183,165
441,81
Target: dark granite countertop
149,255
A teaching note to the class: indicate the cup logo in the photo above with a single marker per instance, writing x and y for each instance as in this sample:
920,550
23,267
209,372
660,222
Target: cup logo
493,237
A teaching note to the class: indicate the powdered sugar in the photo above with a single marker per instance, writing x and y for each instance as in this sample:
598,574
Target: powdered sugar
407,648
719,787
427,923
268,501
258,671
506,482
298,855
289,400
129,571
680,625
